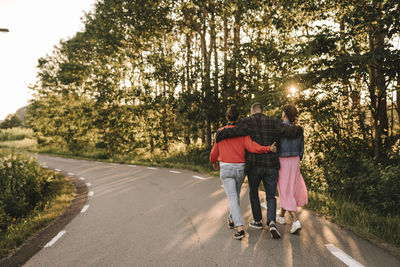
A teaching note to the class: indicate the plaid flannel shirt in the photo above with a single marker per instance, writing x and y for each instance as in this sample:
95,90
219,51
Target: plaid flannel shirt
264,130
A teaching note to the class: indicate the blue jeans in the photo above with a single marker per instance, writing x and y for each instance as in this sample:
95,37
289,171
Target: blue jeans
232,176
269,177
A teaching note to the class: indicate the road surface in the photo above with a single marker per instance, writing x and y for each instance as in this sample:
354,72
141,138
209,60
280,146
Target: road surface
142,216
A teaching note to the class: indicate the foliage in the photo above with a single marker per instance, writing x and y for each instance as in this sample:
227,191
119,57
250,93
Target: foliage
25,187
12,120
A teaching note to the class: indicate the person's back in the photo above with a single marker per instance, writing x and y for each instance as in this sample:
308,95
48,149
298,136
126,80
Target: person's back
289,147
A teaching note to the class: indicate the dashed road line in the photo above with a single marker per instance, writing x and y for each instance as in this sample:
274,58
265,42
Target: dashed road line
82,178
54,240
84,209
132,166
90,194
199,177
88,184
174,171
114,164
70,173
57,170
151,168
345,258
44,166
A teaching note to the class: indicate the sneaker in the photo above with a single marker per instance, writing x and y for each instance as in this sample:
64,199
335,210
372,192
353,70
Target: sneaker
274,232
256,225
296,227
230,223
280,219
239,235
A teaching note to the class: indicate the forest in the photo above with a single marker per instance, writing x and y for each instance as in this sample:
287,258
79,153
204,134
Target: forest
153,76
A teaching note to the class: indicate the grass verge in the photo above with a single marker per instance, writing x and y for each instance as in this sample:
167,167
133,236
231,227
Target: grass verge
21,229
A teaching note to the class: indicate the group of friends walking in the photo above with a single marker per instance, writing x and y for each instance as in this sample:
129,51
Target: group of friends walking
266,149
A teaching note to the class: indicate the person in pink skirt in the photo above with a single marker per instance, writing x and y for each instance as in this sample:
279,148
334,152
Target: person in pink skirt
291,187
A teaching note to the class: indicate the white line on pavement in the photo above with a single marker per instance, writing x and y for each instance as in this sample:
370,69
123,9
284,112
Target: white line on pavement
90,194
54,240
132,166
44,166
115,164
174,171
151,168
88,184
84,209
57,170
82,178
70,173
199,177
345,258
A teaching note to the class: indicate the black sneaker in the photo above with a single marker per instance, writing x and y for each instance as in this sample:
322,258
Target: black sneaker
230,223
256,225
274,232
239,235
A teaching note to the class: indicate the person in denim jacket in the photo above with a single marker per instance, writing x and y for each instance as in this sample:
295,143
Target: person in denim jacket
291,187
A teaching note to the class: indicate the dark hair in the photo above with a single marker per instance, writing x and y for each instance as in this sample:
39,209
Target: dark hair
291,112
257,107
232,114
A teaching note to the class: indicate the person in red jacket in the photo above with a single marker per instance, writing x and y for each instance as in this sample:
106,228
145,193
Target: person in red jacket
231,156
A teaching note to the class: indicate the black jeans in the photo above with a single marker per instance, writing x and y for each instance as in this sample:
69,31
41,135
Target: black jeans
269,176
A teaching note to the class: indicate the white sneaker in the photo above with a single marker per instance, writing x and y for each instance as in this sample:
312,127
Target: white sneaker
280,219
296,227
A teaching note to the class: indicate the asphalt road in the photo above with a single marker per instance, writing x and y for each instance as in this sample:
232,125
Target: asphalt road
140,216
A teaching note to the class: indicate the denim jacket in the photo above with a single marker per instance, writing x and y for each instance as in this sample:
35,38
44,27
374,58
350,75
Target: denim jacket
291,146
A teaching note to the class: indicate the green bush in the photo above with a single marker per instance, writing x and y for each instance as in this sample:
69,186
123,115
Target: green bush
25,186
16,133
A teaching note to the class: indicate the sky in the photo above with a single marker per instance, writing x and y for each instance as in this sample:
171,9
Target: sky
35,27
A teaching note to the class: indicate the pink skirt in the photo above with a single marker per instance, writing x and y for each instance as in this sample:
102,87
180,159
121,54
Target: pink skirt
291,187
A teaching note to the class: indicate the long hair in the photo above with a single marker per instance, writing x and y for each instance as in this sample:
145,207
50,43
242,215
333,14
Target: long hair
232,114
291,112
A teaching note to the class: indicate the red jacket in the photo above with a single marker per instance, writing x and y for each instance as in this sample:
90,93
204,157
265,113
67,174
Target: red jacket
233,150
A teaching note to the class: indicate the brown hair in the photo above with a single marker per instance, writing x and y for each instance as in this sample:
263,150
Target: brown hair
232,114
291,112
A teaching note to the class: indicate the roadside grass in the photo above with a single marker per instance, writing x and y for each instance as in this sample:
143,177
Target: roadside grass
356,218
16,133
13,146
23,144
21,229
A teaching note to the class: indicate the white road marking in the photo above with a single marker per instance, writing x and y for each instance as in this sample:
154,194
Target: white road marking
88,184
70,173
44,166
57,170
115,164
84,209
345,258
199,177
132,166
54,240
90,194
174,171
263,205
82,178
151,168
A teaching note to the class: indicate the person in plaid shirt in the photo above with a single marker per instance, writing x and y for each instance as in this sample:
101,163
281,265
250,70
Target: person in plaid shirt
264,130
